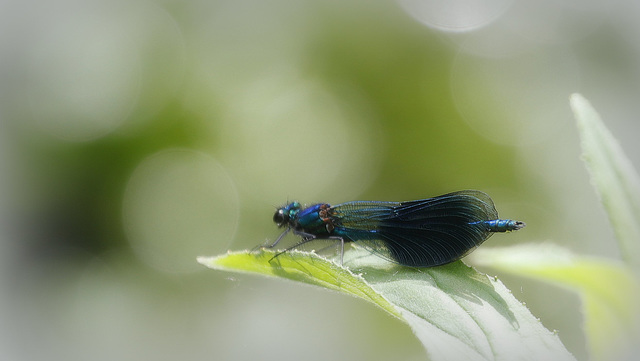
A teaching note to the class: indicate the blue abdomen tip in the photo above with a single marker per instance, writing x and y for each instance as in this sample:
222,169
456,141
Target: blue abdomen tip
503,225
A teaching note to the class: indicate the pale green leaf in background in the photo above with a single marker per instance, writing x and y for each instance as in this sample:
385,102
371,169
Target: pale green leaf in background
614,178
456,312
609,291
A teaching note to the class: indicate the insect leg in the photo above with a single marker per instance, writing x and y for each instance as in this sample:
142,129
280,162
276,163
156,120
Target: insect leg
304,240
279,238
332,245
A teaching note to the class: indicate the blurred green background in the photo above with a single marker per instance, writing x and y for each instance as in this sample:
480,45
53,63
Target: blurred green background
137,135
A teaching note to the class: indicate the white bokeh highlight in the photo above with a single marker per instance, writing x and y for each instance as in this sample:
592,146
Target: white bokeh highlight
455,15
83,74
92,68
179,204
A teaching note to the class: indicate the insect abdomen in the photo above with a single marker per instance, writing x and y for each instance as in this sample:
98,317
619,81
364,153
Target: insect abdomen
503,225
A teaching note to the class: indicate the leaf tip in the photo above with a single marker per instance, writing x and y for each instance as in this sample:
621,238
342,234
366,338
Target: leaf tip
580,106
213,261
576,97
202,259
206,261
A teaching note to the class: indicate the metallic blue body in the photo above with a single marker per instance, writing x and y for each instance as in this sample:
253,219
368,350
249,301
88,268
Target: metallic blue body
310,221
421,233
502,225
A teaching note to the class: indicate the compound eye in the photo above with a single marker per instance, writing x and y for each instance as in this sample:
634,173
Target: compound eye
280,218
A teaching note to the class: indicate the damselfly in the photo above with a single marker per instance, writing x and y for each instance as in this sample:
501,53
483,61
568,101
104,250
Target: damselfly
421,233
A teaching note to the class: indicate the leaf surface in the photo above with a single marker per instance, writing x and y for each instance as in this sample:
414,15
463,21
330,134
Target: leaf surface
456,312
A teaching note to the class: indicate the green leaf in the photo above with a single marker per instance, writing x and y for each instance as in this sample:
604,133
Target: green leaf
302,267
456,312
614,178
609,291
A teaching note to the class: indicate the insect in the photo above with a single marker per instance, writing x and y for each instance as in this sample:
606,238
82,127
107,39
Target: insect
421,233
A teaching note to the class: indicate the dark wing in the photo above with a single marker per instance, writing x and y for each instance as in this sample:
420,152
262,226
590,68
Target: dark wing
421,233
